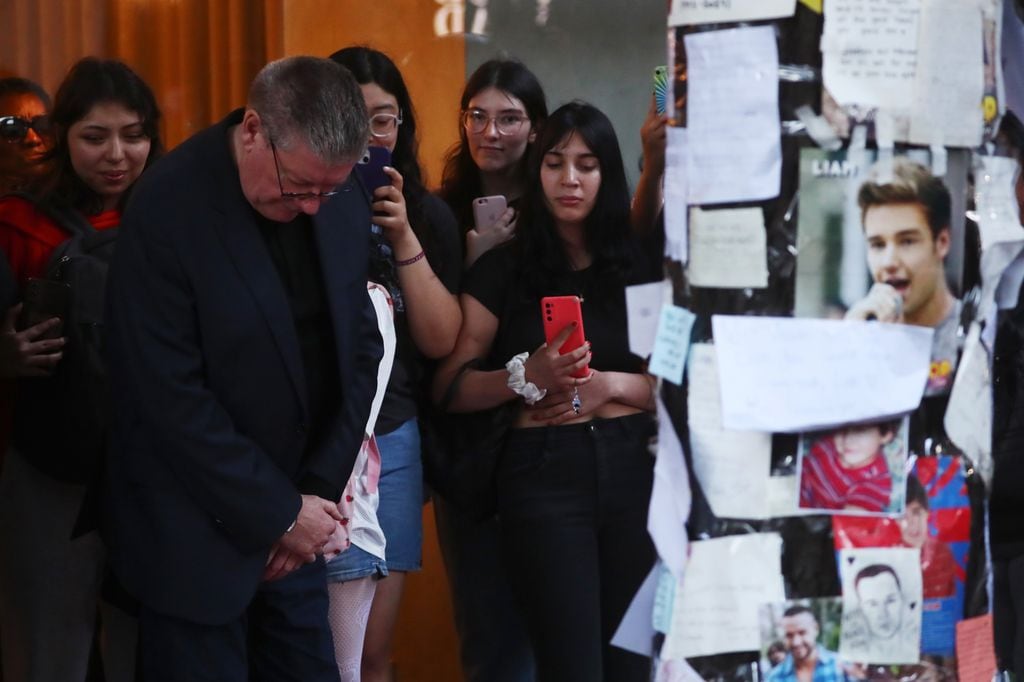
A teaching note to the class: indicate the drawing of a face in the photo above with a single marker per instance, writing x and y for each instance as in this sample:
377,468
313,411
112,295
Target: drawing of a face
882,603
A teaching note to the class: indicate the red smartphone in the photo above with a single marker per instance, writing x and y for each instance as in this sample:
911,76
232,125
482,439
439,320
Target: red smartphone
371,168
558,311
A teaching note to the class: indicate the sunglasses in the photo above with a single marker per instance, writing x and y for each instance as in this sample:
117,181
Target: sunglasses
15,128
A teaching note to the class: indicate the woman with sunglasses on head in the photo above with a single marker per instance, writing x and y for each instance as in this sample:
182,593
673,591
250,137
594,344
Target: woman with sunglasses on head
105,122
417,256
502,107
574,476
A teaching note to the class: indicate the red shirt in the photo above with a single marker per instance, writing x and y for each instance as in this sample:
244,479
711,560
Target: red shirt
825,484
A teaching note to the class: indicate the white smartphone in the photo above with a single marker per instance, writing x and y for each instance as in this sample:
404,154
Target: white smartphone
487,211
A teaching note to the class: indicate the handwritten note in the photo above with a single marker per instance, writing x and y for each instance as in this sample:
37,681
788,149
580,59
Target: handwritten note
670,497
976,649
995,201
677,191
671,343
686,12
950,80
731,466
728,249
786,374
716,608
733,115
869,51
643,311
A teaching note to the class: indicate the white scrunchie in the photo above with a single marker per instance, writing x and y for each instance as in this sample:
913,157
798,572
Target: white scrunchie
517,380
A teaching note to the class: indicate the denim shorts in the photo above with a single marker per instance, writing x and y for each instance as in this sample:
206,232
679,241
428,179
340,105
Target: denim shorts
400,512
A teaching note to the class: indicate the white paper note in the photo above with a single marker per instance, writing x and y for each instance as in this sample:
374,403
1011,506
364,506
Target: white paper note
968,418
686,12
786,374
717,608
643,310
677,191
728,249
995,200
636,630
670,497
732,466
671,343
950,75
733,115
869,51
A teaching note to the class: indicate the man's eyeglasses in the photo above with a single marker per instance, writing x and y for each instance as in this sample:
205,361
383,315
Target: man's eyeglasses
385,125
476,121
298,196
15,128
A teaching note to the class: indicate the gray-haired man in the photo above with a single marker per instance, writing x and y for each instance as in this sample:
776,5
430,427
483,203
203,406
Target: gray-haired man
243,350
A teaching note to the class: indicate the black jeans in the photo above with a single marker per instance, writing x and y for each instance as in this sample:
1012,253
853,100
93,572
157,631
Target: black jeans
573,507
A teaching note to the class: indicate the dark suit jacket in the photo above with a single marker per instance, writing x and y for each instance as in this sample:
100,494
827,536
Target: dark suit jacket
210,433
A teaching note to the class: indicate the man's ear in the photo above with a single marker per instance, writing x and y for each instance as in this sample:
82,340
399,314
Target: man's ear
251,127
942,242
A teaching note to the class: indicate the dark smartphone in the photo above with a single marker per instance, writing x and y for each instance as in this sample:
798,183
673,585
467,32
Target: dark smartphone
558,311
371,168
43,300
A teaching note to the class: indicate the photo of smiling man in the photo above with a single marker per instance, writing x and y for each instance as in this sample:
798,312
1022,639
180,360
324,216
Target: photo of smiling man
906,223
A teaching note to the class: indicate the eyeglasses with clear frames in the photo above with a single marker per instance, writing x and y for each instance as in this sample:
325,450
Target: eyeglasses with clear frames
477,120
384,124
300,196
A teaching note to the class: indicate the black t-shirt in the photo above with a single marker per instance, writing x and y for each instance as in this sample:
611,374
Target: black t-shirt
294,251
494,280
444,253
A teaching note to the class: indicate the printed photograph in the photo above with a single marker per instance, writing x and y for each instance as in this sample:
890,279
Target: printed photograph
800,640
937,521
883,240
854,469
881,605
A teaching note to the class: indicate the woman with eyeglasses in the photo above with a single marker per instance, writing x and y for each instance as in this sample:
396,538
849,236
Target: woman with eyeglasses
574,476
24,133
105,120
417,256
502,108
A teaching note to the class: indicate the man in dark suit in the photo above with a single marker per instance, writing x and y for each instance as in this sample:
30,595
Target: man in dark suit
243,352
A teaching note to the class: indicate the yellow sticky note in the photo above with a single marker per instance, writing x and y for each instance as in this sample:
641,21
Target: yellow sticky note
813,5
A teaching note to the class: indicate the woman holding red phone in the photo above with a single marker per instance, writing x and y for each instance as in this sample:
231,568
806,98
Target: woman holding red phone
574,477
416,255
501,109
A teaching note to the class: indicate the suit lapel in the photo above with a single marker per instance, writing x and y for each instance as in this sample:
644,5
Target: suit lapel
241,238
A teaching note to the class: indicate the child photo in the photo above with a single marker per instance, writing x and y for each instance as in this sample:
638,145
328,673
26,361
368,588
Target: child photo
854,469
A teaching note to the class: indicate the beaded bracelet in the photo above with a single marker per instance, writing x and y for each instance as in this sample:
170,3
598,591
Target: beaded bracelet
410,261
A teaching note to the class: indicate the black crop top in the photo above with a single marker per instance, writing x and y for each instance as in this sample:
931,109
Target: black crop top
494,280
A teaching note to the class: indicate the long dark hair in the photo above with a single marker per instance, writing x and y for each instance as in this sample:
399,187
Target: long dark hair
460,182
543,257
373,66
93,81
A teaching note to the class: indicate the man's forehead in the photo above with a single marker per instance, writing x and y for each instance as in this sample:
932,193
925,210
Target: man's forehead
893,219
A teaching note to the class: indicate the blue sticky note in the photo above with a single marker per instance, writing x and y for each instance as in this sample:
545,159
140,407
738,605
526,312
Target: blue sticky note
672,343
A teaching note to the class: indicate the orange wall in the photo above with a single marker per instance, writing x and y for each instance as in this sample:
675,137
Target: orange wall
434,68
